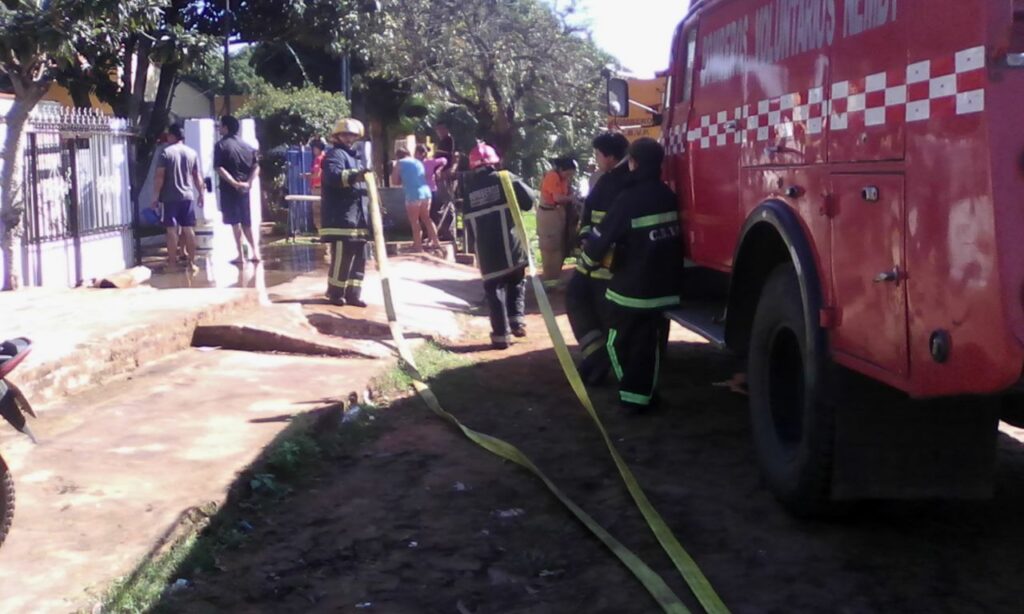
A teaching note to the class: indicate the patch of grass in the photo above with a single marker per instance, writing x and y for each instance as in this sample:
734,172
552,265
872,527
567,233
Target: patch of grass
530,222
431,358
137,593
293,458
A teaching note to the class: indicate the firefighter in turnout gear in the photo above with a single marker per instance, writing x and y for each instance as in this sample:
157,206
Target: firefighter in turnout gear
642,229
344,221
500,253
585,300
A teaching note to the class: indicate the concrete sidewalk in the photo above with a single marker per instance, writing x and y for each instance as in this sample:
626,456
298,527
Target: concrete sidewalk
118,465
84,337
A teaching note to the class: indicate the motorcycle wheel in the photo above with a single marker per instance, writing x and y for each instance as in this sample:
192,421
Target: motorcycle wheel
6,500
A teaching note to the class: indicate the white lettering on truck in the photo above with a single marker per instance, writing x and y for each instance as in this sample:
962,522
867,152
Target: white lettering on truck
725,50
864,15
790,27
786,28
783,28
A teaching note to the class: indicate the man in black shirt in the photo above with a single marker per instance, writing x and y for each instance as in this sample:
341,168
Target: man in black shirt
237,164
445,147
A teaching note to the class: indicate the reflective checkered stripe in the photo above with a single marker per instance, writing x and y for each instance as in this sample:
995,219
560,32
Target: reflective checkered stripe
946,87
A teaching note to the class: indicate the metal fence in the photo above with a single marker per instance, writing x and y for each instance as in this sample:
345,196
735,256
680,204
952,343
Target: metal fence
76,174
76,177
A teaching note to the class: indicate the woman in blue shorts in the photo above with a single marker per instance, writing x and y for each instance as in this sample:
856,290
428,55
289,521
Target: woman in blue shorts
410,174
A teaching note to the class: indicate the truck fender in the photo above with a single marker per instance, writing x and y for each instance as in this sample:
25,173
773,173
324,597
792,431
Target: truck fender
772,235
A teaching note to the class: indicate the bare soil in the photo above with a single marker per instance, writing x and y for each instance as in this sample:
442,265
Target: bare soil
419,520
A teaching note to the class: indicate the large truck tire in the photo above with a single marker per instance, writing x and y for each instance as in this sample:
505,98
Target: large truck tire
6,500
793,428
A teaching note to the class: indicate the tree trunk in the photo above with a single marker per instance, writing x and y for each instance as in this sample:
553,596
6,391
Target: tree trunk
12,201
80,94
152,123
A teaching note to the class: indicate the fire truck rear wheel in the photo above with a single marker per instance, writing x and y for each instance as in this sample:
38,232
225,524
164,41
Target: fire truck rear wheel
792,426
6,500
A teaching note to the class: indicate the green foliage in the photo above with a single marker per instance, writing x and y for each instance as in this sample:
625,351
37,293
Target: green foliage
136,594
293,116
432,360
519,68
36,36
208,73
292,455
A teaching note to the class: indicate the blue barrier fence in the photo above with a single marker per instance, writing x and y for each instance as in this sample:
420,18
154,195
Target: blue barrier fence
298,163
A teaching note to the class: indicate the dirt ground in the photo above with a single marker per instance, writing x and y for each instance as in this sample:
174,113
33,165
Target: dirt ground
419,520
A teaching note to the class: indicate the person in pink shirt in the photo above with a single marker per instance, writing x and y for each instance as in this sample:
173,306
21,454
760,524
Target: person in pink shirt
433,167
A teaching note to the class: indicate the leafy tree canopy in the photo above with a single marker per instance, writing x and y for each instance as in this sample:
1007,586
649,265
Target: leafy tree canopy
529,78
293,116
208,73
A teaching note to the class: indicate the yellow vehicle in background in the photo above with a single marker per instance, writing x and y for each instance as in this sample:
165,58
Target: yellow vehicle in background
646,97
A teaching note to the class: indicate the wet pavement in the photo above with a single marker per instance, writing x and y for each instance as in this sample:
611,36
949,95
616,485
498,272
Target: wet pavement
281,264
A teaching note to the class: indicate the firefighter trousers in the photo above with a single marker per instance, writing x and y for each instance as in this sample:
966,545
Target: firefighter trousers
587,309
506,301
348,268
637,338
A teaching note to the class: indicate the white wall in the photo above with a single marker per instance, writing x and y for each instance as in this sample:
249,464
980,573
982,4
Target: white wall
53,263
189,102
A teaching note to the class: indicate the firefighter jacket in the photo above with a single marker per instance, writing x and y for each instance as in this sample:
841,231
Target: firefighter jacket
643,230
596,208
344,196
485,208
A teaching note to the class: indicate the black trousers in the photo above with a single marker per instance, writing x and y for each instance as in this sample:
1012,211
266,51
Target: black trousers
442,212
636,340
587,309
506,300
348,268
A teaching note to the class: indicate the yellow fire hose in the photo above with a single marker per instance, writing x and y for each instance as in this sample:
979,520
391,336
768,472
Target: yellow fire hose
654,584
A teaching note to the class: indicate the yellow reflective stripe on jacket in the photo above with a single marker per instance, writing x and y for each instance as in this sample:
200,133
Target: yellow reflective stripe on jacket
641,303
655,220
597,216
359,232
601,273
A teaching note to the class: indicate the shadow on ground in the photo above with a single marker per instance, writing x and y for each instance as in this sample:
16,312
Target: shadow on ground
402,515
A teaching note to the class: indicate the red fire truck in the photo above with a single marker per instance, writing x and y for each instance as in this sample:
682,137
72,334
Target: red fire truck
851,181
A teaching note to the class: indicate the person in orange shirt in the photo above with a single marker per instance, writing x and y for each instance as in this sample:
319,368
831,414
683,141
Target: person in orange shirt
553,217
315,175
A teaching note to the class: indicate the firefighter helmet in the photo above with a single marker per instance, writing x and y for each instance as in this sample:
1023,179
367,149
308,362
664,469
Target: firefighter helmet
483,155
349,126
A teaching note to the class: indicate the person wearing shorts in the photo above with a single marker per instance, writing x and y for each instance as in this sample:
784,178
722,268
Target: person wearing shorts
410,174
237,164
438,201
179,188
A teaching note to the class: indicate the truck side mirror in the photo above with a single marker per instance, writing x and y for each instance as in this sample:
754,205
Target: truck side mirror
618,98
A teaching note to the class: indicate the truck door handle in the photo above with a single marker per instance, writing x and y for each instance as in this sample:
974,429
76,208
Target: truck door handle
888,277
